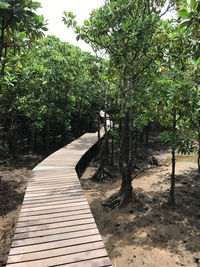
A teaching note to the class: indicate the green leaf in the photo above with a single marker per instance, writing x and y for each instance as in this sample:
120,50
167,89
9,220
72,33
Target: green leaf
44,28
36,5
21,35
41,18
185,23
4,4
193,4
183,14
86,23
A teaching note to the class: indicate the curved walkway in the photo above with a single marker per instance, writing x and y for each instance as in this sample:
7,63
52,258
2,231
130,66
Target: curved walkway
56,226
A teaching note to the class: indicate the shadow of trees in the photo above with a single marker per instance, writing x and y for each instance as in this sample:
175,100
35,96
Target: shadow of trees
150,223
10,196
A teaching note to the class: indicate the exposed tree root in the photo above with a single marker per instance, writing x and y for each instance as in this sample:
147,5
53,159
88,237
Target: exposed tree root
112,202
101,175
117,200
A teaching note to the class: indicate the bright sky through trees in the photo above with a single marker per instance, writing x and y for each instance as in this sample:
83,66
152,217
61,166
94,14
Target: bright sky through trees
53,12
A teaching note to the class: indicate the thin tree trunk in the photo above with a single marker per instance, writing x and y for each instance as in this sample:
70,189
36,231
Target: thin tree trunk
173,177
104,147
198,126
2,47
48,132
147,135
47,145
64,130
35,140
136,141
99,126
105,126
100,171
112,143
131,129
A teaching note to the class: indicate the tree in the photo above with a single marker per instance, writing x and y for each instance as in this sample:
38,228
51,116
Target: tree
175,95
52,95
189,17
19,26
127,31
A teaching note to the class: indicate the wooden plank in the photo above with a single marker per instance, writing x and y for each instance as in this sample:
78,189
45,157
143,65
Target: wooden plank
42,198
100,262
76,217
53,175
55,244
64,259
50,177
54,192
54,237
54,231
57,205
54,210
47,188
55,252
51,183
54,225
61,214
55,202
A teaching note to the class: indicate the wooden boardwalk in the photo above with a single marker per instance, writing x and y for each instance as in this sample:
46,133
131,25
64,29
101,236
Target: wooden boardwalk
56,226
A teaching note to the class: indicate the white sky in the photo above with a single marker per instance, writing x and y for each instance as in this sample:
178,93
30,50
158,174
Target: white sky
53,12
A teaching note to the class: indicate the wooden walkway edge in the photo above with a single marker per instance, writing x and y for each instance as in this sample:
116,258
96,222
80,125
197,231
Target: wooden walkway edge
56,226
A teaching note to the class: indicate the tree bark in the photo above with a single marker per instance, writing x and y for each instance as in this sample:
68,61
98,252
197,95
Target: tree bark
125,166
173,177
35,140
173,180
147,135
198,127
112,144
136,141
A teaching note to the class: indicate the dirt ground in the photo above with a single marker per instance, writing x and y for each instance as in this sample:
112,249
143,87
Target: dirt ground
148,232
13,181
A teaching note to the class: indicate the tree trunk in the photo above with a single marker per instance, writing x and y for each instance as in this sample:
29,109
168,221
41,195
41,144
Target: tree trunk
54,141
100,173
136,141
173,178
147,135
198,126
64,130
35,140
125,166
98,176
106,150
112,144
99,126
47,145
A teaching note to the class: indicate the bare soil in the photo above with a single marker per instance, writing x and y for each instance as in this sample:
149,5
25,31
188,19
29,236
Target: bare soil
147,232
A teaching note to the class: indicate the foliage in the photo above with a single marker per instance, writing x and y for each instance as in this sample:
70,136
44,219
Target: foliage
19,26
55,92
